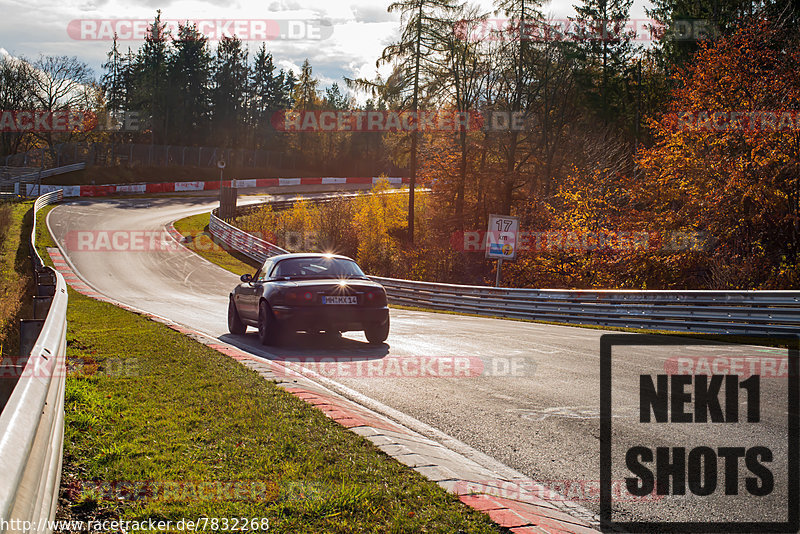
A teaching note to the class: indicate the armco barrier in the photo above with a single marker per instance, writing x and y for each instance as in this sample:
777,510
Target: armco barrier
701,311
249,245
32,421
253,247
28,179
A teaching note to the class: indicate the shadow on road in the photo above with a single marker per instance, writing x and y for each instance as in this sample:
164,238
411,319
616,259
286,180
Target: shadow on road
309,346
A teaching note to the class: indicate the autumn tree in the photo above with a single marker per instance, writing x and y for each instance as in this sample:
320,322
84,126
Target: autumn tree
739,182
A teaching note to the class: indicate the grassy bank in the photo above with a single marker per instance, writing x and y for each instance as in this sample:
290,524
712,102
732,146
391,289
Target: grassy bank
147,408
16,278
195,228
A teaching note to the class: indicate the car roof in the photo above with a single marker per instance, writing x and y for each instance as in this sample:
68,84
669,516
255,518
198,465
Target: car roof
300,255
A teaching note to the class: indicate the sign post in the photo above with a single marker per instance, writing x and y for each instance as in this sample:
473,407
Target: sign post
221,165
227,197
501,241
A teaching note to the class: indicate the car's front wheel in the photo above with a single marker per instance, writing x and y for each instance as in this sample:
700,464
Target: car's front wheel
268,332
377,333
235,324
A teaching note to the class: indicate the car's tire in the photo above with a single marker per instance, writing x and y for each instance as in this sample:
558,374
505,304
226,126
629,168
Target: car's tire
268,331
235,324
377,333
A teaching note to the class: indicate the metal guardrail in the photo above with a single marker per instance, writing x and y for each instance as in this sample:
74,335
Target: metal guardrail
32,421
251,246
721,312
239,240
14,182
33,176
700,311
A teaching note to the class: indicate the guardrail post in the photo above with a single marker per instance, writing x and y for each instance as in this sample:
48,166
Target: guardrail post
10,370
29,330
45,290
45,277
41,305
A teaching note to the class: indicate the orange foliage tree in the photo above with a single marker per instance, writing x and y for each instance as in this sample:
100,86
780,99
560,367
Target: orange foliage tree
719,167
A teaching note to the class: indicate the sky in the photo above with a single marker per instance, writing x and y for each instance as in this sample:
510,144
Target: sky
339,37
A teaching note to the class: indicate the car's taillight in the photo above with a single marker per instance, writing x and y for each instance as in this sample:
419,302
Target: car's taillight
298,296
375,297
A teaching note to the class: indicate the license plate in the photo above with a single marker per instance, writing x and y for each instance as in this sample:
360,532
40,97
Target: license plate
340,300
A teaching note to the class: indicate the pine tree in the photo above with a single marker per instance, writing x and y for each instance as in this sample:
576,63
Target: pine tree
604,50
305,94
150,90
189,73
231,74
113,81
420,38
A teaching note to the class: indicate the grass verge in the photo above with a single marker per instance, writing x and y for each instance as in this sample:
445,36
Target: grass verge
203,243
161,427
16,278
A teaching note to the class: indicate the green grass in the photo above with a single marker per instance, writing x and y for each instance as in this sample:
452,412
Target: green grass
146,403
16,274
204,244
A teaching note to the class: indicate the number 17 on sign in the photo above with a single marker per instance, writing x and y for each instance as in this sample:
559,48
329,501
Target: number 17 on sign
501,240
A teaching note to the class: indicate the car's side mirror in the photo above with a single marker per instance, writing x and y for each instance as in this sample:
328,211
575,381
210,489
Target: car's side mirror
246,278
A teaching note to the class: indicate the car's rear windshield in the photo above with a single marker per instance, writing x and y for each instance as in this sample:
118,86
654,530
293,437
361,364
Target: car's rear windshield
320,267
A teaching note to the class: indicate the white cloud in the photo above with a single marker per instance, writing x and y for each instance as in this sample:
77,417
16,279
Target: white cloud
361,28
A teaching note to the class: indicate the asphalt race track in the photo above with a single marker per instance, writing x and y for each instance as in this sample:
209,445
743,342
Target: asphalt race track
543,420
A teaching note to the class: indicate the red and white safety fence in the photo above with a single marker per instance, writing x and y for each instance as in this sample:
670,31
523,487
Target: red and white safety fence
213,185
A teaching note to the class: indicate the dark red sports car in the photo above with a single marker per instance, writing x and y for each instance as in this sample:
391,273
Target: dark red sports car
310,293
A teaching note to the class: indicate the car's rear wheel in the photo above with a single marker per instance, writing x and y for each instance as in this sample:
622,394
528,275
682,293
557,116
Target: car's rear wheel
268,333
235,324
377,333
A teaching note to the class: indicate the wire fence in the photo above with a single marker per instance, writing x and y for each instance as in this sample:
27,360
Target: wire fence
146,155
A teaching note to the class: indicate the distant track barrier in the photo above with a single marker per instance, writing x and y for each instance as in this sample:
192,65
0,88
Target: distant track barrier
211,185
32,402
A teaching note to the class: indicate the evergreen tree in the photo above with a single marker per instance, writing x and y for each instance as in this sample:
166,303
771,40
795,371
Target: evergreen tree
604,51
229,96
113,81
189,71
306,96
334,99
423,22
149,79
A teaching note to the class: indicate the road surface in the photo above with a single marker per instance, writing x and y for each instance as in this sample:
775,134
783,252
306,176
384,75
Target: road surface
543,420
